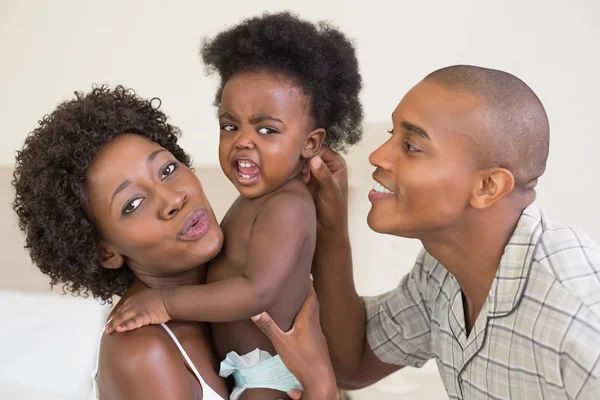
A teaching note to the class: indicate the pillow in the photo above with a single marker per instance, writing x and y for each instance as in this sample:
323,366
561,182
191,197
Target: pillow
49,342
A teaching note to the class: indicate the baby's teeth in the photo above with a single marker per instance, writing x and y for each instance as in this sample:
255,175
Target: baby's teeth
245,164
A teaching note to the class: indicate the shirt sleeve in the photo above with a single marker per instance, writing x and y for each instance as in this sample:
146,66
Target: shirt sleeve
398,322
580,356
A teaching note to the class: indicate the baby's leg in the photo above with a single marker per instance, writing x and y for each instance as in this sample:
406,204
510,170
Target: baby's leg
263,394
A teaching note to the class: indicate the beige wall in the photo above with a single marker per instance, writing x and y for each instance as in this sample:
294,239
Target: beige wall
51,48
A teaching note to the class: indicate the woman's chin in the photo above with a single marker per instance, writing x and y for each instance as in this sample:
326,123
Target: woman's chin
210,245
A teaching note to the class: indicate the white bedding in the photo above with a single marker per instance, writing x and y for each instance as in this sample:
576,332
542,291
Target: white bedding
48,345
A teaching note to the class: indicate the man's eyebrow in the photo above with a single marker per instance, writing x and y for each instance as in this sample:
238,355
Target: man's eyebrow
415,129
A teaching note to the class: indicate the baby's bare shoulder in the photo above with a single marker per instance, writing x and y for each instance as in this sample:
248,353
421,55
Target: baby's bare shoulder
294,196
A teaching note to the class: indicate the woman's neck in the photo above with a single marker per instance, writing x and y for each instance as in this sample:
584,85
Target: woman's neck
194,276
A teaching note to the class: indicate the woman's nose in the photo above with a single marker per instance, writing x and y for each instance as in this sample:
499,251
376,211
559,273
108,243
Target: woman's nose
174,200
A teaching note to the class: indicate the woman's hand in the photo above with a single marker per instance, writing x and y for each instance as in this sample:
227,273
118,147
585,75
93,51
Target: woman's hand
326,176
143,308
303,350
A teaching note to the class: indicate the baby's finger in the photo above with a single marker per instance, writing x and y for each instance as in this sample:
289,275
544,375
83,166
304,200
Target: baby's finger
119,319
113,322
130,323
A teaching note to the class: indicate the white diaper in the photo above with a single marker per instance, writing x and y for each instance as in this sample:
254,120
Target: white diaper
257,369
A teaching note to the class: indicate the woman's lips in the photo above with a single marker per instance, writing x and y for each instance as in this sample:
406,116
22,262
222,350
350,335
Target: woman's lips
195,225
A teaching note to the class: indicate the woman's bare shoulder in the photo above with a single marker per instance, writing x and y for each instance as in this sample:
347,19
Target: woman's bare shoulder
143,362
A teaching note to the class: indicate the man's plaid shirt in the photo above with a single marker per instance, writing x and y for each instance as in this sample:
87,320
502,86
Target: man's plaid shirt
537,336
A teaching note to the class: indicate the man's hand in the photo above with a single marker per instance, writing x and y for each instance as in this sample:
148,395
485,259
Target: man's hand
144,308
326,176
303,350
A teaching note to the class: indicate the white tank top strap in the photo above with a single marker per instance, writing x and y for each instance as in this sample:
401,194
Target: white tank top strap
95,371
207,391
185,356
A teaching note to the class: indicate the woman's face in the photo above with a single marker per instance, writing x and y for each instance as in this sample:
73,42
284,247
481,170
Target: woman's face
149,210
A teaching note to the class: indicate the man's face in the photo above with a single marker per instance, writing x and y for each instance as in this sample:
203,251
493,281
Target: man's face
426,172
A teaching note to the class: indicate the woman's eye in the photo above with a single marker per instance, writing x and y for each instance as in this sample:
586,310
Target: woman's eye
228,128
132,205
168,170
266,131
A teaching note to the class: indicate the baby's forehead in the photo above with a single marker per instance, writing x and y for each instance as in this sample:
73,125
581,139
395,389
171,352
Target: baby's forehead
249,98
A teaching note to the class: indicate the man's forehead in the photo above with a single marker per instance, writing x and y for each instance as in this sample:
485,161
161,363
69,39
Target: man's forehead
441,112
431,102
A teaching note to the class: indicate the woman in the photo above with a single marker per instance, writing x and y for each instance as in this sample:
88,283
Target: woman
110,207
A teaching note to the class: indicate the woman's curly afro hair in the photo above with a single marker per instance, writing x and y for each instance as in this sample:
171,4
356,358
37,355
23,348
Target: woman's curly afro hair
49,181
319,58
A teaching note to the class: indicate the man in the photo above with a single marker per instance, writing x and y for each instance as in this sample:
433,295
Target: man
505,300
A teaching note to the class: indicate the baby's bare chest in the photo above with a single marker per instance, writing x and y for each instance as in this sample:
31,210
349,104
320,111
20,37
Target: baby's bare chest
237,229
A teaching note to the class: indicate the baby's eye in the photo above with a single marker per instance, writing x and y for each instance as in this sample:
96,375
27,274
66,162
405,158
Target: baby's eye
228,128
266,131
132,205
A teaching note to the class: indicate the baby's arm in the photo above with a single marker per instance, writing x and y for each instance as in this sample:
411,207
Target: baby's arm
278,234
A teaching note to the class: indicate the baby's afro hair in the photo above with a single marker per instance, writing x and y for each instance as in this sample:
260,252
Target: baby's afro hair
317,57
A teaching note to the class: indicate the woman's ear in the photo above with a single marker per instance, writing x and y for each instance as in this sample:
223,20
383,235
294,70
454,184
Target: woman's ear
108,257
313,143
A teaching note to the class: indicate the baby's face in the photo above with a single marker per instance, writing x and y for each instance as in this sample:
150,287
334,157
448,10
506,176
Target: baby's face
265,122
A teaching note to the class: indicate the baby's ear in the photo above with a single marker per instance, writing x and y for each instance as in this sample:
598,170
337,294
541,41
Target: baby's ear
108,257
313,143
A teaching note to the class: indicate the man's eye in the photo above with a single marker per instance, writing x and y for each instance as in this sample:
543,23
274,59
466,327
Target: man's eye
410,147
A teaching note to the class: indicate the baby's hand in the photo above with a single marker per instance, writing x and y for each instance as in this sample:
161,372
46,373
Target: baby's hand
144,308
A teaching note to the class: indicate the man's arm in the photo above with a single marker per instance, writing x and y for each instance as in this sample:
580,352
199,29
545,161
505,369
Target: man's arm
303,350
343,315
342,311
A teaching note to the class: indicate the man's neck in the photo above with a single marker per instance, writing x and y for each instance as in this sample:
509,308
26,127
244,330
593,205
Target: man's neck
472,252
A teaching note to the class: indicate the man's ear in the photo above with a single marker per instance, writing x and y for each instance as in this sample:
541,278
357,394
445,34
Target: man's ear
108,257
313,143
492,185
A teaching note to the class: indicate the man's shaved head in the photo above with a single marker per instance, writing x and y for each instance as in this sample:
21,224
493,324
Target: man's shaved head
515,128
